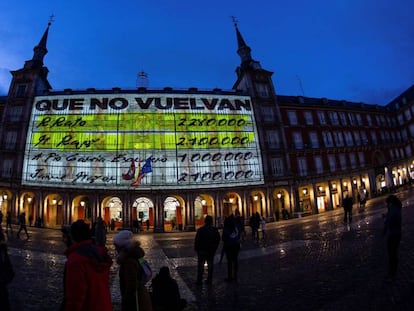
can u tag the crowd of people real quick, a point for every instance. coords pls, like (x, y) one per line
(87, 268)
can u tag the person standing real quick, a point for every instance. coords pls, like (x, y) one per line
(165, 292)
(100, 232)
(86, 272)
(347, 205)
(22, 222)
(6, 273)
(206, 242)
(1, 217)
(134, 294)
(8, 223)
(392, 230)
(231, 240)
(263, 227)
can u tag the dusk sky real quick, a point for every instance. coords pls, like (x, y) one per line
(356, 50)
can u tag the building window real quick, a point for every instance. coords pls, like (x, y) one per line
(361, 158)
(327, 139)
(348, 139)
(293, 119)
(273, 139)
(352, 160)
(407, 114)
(15, 114)
(321, 117)
(333, 115)
(11, 138)
(408, 150)
(339, 139)
(411, 129)
(357, 138)
(297, 140)
(369, 120)
(308, 117)
(302, 167)
(342, 116)
(351, 118)
(374, 137)
(342, 161)
(318, 164)
(358, 119)
(400, 118)
(268, 114)
(262, 90)
(20, 90)
(277, 167)
(313, 137)
(6, 169)
(332, 162)
(364, 138)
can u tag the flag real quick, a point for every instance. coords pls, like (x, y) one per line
(145, 169)
(131, 171)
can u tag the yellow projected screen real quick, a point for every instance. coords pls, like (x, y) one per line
(142, 140)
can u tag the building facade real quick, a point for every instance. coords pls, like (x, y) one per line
(169, 157)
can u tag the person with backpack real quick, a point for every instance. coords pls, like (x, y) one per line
(231, 240)
(86, 274)
(134, 294)
(206, 242)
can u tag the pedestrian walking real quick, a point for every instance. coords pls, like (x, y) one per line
(22, 222)
(348, 202)
(8, 223)
(86, 273)
(165, 292)
(231, 240)
(134, 294)
(206, 241)
(6, 273)
(392, 230)
(1, 217)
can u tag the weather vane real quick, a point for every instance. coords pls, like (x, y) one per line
(234, 19)
(51, 19)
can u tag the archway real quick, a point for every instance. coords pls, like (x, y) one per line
(173, 214)
(53, 211)
(203, 206)
(112, 213)
(144, 212)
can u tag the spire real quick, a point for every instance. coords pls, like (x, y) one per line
(244, 50)
(40, 50)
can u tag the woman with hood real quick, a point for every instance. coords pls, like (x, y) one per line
(86, 276)
(135, 295)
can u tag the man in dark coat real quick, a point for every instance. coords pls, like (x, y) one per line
(348, 203)
(205, 244)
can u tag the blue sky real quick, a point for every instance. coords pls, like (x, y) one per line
(357, 50)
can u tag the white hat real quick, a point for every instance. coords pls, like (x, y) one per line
(123, 238)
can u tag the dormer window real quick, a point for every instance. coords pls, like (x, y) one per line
(20, 90)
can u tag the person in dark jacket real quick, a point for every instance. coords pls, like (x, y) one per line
(231, 240)
(347, 204)
(86, 274)
(206, 241)
(392, 229)
(135, 295)
(165, 292)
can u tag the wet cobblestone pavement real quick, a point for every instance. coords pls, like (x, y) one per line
(310, 263)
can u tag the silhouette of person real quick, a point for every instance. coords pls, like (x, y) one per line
(135, 295)
(165, 292)
(231, 240)
(392, 229)
(22, 222)
(347, 204)
(86, 273)
(206, 242)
